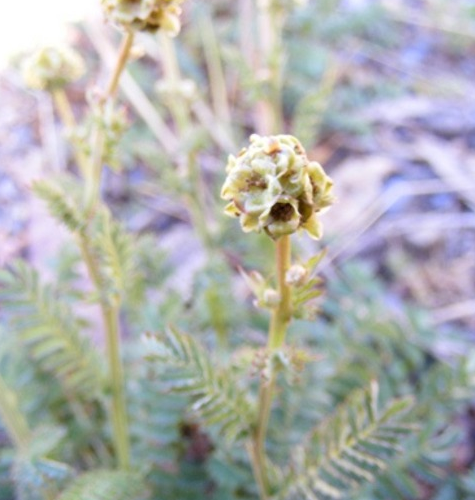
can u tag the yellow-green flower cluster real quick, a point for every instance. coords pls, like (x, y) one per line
(145, 15)
(50, 68)
(273, 186)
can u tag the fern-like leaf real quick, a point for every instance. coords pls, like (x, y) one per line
(60, 205)
(11, 416)
(349, 449)
(216, 397)
(48, 327)
(40, 478)
(105, 485)
(116, 252)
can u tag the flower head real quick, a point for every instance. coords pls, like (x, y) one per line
(145, 15)
(273, 186)
(50, 68)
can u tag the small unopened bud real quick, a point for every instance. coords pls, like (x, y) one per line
(137, 52)
(186, 89)
(270, 298)
(296, 275)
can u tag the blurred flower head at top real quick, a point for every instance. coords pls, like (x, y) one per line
(145, 15)
(50, 68)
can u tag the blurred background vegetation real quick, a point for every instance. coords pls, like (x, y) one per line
(382, 93)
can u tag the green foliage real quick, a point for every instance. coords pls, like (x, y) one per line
(157, 427)
(50, 331)
(40, 478)
(115, 250)
(348, 449)
(105, 485)
(6, 484)
(180, 406)
(396, 346)
(216, 396)
(37, 473)
(61, 206)
(11, 415)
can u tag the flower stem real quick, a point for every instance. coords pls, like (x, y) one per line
(110, 317)
(110, 309)
(124, 53)
(258, 468)
(94, 171)
(282, 315)
(119, 406)
(280, 320)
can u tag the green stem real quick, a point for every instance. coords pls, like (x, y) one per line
(119, 406)
(94, 171)
(12, 418)
(280, 320)
(110, 310)
(258, 468)
(124, 53)
(110, 317)
(282, 314)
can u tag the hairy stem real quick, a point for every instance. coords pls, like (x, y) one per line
(110, 317)
(280, 320)
(11, 417)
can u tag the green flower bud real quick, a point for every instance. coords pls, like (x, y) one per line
(51, 68)
(296, 275)
(270, 298)
(145, 15)
(273, 186)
